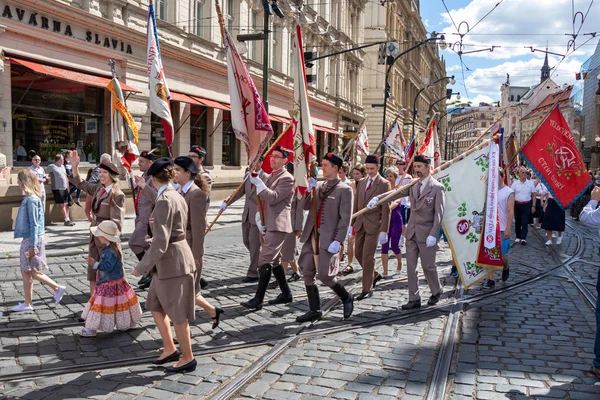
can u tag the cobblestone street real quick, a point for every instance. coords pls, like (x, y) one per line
(531, 337)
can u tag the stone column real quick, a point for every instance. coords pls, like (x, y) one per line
(6, 140)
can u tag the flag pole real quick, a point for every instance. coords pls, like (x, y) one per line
(231, 196)
(385, 137)
(386, 196)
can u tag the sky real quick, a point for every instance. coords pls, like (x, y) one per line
(513, 25)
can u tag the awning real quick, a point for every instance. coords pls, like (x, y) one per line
(328, 130)
(183, 98)
(212, 103)
(279, 119)
(70, 75)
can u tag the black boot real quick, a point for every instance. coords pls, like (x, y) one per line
(264, 275)
(314, 303)
(347, 299)
(286, 294)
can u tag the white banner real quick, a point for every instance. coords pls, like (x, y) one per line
(466, 189)
(491, 212)
(393, 140)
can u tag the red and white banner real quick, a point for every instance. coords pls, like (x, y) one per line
(249, 118)
(362, 141)
(159, 94)
(304, 136)
(553, 155)
(431, 145)
(122, 122)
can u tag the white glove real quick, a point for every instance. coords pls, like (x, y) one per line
(312, 183)
(334, 247)
(259, 225)
(223, 206)
(431, 241)
(260, 185)
(373, 203)
(350, 231)
(383, 238)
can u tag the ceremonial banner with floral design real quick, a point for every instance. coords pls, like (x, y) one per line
(552, 153)
(465, 181)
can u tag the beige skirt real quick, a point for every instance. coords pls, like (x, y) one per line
(173, 297)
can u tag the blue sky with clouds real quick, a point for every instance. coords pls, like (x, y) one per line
(513, 25)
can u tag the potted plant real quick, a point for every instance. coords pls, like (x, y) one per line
(90, 150)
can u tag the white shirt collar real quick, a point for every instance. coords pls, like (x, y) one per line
(184, 189)
(108, 188)
(162, 189)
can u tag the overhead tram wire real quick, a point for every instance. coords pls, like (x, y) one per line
(450, 15)
(485, 16)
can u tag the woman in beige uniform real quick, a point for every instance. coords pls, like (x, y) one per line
(171, 293)
(108, 203)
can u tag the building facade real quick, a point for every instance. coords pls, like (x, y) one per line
(465, 127)
(55, 56)
(400, 21)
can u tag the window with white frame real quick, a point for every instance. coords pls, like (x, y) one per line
(199, 21)
(162, 9)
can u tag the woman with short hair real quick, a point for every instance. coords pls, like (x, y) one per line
(358, 172)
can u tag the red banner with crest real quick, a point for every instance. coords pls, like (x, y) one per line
(553, 154)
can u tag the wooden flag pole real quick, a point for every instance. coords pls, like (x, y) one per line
(230, 198)
(314, 206)
(388, 195)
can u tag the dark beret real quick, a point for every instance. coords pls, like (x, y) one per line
(110, 167)
(147, 155)
(422, 158)
(198, 150)
(186, 163)
(372, 159)
(158, 165)
(334, 159)
(283, 151)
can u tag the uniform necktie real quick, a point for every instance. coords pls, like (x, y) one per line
(102, 192)
(419, 185)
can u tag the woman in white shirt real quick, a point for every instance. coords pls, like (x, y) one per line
(554, 218)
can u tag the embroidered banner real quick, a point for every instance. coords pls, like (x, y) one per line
(552, 153)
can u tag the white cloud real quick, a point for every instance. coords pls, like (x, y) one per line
(546, 23)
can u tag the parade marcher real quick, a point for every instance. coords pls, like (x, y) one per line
(395, 229)
(358, 172)
(250, 233)
(108, 204)
(38, 170)
(524, 193)
(590, 216)
(554, 218)
(143, 204)
(427, 199)
(289, 250)
(275, 193)
(29, 225)
(196, 200)
(60, 185)
(72, 187)
(405, 201)
(537, 215)
(113, 304)
(343, 175)
(372, 227)
(198, 154)
(334, 212)
(171, 294)
(506, 211)
(94, 178)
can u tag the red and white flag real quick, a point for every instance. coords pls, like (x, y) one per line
(159, 91)
(394, 140)
(286, 142)
(431, 145)
(304, 136)
(362, 141)
(249, 118)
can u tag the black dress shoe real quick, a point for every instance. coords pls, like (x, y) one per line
(189, 367)
(364, 295)
(281, 299)
(173, 357)
(434, 299)
(379, 277)
(252, 304)
(146, 283)
(412, 305)
(273, 285)
(505, 274)
(215, 319)
(203, 283)
(248, 279)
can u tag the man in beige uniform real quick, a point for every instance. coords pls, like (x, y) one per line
(276, 196)
(140, 240)
(198, 154)
(334, 212)
(371, 227)
(250, 233)
(427, 201)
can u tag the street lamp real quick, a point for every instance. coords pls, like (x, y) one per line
(582, 141)
(452, 82)
(441, 40)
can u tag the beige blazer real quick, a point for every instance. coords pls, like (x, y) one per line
(140, 240)
(277, 200)
(297, 213)
(251, 204)
(197, 202)
(426, 210)
(169, 254)
(376, 220)
(335, 217)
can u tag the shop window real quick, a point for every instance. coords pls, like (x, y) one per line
(320, 135)
(52, 115)
(230, 143)
(198, 127)
(157, 135)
